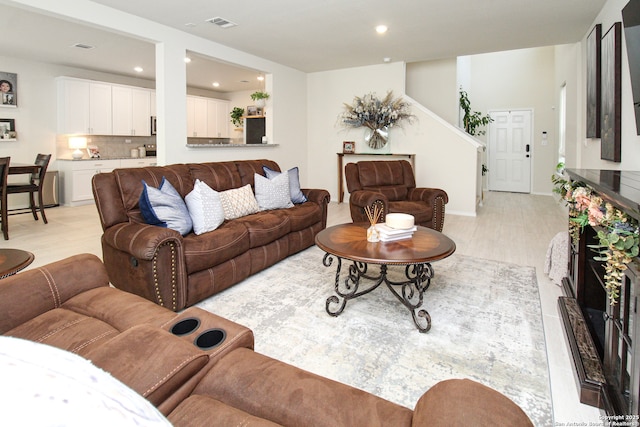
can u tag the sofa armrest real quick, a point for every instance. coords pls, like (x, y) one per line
(31, 293)
(140, 240)
(427, 195)
(463, 402)
(150, 360)
(321, 197)
(436, 199)
(360, 199)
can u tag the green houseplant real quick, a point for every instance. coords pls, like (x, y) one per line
(237, 116)
(260, 98)
(472, 120)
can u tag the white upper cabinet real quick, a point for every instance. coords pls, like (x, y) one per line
(131, 111)
(84, 107)
(207, 117)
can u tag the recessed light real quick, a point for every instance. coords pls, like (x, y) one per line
(261, 78)
(387, 59)
(381, 29)
(83, 46)
(189, 24)
(216, 84)
(187, 59)
(138, 69)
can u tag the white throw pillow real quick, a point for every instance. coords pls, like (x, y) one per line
(272, 193)
(238, 202)
(205, 208)
(297, 196)
(46, 386)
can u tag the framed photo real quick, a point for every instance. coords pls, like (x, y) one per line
(594, 53)
(8, 89)
(93, 151)
(610, 122)
(348, 147)
(7, 127)
(252, 110)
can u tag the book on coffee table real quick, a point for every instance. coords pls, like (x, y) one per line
(388, 234)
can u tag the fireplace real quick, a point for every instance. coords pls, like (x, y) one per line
(601, 336)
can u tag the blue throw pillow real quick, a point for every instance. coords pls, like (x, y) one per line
(164, 207)
(297, 196)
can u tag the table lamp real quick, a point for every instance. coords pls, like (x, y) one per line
(77, 142)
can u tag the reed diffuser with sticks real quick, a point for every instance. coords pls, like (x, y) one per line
(373, 215)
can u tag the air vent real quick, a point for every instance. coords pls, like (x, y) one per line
(83, 46)
(221, 22)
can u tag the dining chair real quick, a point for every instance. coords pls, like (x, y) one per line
(34, 186)
(4, 173)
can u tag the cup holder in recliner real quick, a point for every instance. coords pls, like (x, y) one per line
(185, 326)
(210, 338)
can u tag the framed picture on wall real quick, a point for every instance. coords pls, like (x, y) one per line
(610, 122)
(8, 89)
(348, 147)
(593, 81)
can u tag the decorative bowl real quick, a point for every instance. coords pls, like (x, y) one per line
(400, 221)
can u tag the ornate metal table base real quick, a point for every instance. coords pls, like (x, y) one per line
(410, 292)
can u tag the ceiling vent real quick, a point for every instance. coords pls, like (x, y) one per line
(83, 46)
(221, 22)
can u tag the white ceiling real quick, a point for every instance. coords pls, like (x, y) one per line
(307, 35)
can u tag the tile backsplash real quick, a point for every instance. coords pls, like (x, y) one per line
(115, 147)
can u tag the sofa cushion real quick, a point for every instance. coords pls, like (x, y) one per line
(164, 207)
(393, 192)
(238, 202)
(272, 193)
(205, 208)
(220, 176)
(222, 244)
(296, 194)
(200, 410)
(265, 227)
(380, 173)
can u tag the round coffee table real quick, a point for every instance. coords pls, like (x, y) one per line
(349, 242)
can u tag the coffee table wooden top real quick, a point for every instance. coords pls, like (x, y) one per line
(350, 241)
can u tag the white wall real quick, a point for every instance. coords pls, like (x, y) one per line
(434, 85)
(585, 152)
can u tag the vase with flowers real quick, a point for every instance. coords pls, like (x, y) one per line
(377, 115)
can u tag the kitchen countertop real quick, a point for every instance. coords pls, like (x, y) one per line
(105, 158)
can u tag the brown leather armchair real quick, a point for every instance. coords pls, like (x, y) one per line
(392, 186)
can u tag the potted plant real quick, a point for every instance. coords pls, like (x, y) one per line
(260, 98)
(472, 120)
(237, 116)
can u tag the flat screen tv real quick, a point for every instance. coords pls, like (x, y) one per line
(631, 23)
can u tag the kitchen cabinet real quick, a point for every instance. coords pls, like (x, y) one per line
(84, 107)
(131, 108)
(207, 117)
(76, 176)
(196, 117)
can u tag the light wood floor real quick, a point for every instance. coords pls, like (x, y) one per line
(509, 227)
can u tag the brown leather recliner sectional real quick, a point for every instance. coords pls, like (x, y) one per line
(391, 186)
(199, 369)
(176, 272)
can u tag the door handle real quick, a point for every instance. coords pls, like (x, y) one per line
(527, 148)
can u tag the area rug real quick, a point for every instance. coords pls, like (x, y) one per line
(486, 326)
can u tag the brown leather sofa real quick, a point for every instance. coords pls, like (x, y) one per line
(199, 369)
(175, 271)
(392, 186)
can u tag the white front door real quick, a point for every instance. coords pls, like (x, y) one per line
(510, 143)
